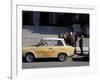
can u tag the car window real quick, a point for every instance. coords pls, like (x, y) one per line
(42, 43)
(59, 43)
(50, 42)
(54, 43)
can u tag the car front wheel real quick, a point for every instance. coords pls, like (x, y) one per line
(62, 57)
(29, 58)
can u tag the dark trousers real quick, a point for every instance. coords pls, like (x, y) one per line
(81, 48)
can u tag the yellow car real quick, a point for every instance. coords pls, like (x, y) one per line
(48, 48)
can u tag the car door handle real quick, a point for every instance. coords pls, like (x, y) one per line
(50, 48)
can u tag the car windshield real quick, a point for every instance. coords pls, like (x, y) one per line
(50, 43)
(42, 43)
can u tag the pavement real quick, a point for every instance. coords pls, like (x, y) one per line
(50, 63)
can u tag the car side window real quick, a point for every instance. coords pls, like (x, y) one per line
(49, 43)
(53, 43)
(59, 43)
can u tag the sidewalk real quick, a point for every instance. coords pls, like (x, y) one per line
(81, 57)
(85, 49)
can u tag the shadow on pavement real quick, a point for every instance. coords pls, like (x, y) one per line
(47, 60)
(78, 57)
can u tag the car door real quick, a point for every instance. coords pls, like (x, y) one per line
(51, 48)
(42, 49)
(56, 48)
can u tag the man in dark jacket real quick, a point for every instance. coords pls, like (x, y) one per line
(81, 43)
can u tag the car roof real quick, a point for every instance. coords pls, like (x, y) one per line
(53, 39)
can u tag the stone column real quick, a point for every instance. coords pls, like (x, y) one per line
(36, 18)
(54, 18)
(50, 18)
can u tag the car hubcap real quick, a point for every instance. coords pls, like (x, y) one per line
(29, 58)
(61, 57)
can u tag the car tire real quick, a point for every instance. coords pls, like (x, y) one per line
(29, 58)
(62, 57)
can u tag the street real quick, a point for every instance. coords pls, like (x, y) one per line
(49, 63)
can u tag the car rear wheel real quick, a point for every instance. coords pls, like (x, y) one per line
(62, 57)
(29, 58)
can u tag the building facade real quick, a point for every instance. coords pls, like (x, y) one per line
(74, 22)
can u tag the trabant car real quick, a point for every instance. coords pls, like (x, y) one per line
(48, 48)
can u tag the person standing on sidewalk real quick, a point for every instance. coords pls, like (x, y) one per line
(81, 43)
(75, 36)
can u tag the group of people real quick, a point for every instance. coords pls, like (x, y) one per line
(71, 38)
